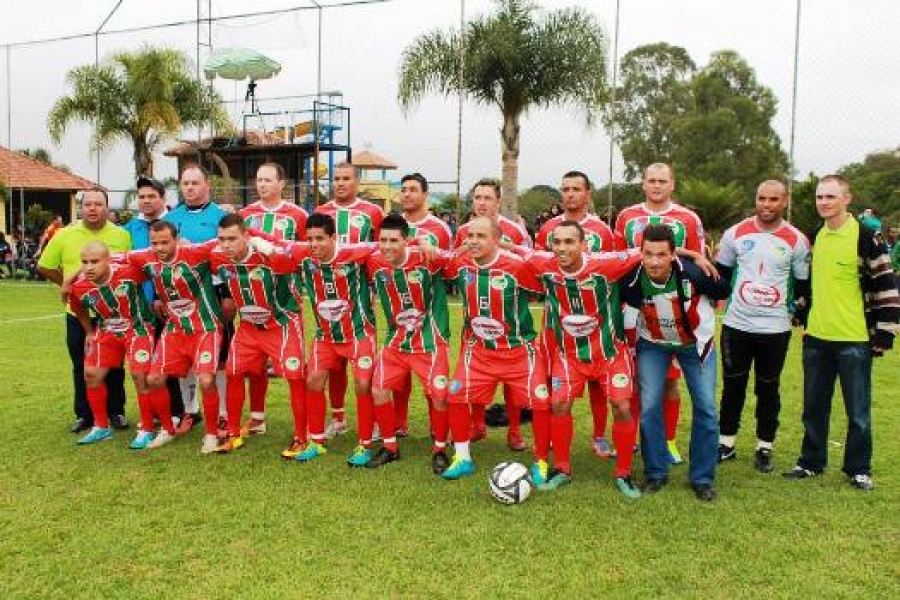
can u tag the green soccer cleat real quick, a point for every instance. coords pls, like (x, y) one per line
(539, 472)
(556, 480)
(96, 434)
(313, 451)
(141, 440)
(360, 456)
(459, 468)
(627, 487)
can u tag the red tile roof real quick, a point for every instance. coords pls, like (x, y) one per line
(20, 171)
(369, 160)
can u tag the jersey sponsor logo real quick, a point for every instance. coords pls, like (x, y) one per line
(440, 382)
(257, 315)
(587, 284)
(580, 325)
(364, 362)
(455, 386)
(183, 308)
(141, 356)
(541, 392)
(499, 282)
(292, 363)
(333, 310)
(620, 380)
(358, 221)
(411, 319)
(747, 245)
(205, 358)
(759, 294)
(116, 325)
(414, 277)
(487, 328)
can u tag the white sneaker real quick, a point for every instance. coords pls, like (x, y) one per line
(162, 438)
(210, 443)
(335, 428)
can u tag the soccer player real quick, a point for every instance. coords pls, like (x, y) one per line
(124, 329)
(411, 293)
(660, 207)
(497, 341)
(767, 261)
(576, 191)
(284, 221)
(192, 335)
(675, 319)
(582, 320)
(355, 221)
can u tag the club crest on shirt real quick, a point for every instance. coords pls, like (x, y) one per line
(415, 277)
(499, 282)
(358, 221)
(122, 289)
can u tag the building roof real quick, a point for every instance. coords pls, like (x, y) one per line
(20, 171)
(369, 160)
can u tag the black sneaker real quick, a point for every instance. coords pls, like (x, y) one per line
(704, 491)
(862, 481)
(118, 422)
(651, 486)
(799, 472)
(726, 453)
(80, 425)
(439, 462)
(383, 457)
(763, 460)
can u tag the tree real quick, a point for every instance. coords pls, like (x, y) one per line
(718, 206)
(515, 59)
(42, 155)
(145, 97)
(536, 200)
(875, 183)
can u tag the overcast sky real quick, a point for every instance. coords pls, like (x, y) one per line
(848, 94)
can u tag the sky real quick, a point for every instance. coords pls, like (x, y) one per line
(848, 93)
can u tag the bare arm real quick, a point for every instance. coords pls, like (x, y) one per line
(54, 275)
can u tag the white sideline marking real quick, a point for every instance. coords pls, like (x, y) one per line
(27, 319)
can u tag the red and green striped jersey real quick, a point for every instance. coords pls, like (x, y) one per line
(661, 320)
(285, 221)
(355, 222)
(632, 221)
(597, 234)
(434, 230)
(413, 300)
(118, 303)
(510, 232)
(495, 299)
(184, 285)
(582, 310)
(339, 292)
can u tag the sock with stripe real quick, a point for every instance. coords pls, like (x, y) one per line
(384, 416)
(315, 415)
(96, 398)
(234, 398)
(162, 406)
(624, 435)
(561, 433)
(337, 390)
(259, 386)
(365, 418)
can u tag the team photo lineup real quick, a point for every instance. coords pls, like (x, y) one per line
(203, 306)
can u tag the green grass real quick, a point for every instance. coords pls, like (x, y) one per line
(106, 522)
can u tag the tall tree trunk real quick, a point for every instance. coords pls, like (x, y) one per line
(143, 157)
(509, 189)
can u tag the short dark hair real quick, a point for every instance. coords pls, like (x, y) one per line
(160, 225)
(659, 233)
(573, 174)
(231, 220)
(575, 224)
(488, 182)
(395, 222)
(321, 221)
(144, 181)
(416, 177)
(279, 170)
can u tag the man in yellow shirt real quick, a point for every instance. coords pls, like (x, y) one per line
(61, 259)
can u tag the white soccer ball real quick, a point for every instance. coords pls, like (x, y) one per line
(510, 483)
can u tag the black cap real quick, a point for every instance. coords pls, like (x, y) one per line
(150, 182)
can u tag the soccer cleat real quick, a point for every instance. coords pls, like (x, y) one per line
(704, 491)
(602, 449)
(360, 456)
(726, 453)
(515, 442)
(313, 450)
(253, 427)
(335, 428)
(230, 444)
(210, 444)
(188, 422)
(141, 440)
(383, 457)
(539, 472)
(762, 460)
(439, 462)
(862, 481)
(80, 425)
(459, 468)
(799, 472)
(119, 422)
(651, 486)
(162, 438)
(627, 487)
(96, 434)
(292, 451)
(674, 454)
(477, 433)
(556, 480)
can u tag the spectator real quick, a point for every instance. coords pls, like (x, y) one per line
(6, 257)
(51, 229)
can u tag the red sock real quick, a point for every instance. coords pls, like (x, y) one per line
(478, 410)
(384, 416)
(514, 415)
(315, 415)
(624, 435)
(460, 421)
(671, 411)
(540, 428)
(440, 427)
(337, 390)
(401, 405)
(561, 433)
(211, 410)
(162, 406)
(259, 385)
(431, 419)
(298, 407)
(145, 404)
(234, 402)
(97, 400)
(365, 419)
(599, 409)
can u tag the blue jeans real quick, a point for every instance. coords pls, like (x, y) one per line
(652, 364)
(823, 362)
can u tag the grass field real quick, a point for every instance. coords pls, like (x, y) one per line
(106, 522)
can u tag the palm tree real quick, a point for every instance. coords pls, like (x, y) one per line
(144, 97)
(516, 58)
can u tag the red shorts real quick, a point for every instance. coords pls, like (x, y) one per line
(251, 348)
(522, 369)
(105, 350)
(615, 375)
(328, 356)
(393, 367)
(177, 352)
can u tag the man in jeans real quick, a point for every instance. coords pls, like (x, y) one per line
(767, 261)
(852, 317)
(676, 319)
